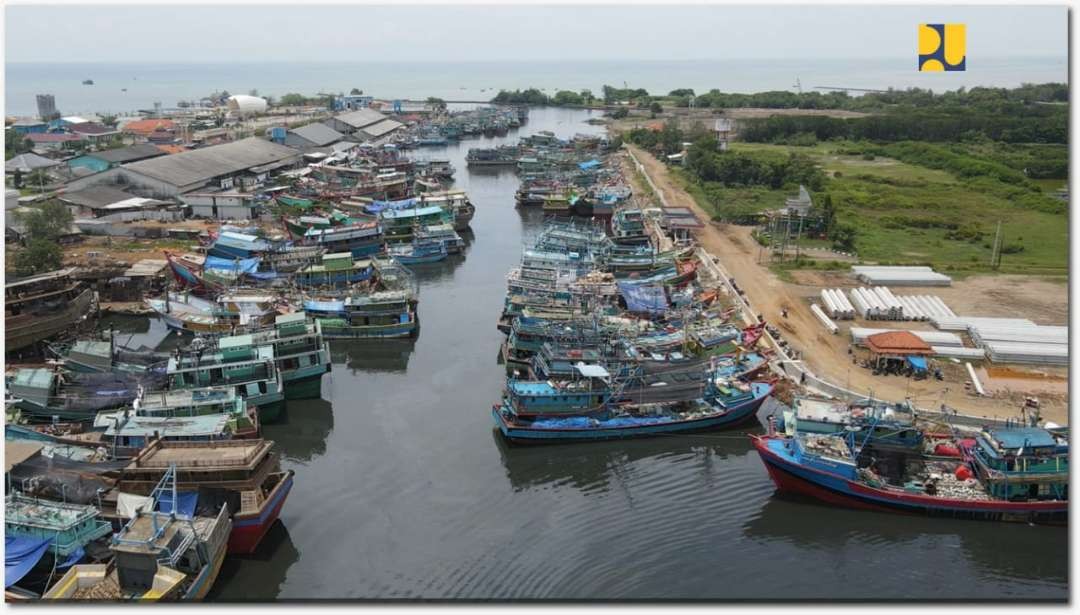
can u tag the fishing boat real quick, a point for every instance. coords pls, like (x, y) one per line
(45, 394)
(245, 475)
(359, 238)
(99, 356)
(582, 410)
(67, 527)
(298, 347)
(125, 433)
(628, 226)
(182, 311)
(1009, 474)
(418, 252)
(236, 362)
(456, 202)
(361, 315)
(39, 307)
(443, 233)
(886, 425)
(168, 554)
(399, 224)
(232, 245)
(243, 419)
(334, 271)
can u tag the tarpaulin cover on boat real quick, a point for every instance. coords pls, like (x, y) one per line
(590, 164)
(583, 422)
(644, 298)
(377, 206)
(324, 306)
(186, 502)
(919, 363)
(73, 558)
(128, 505)
(235, 265)
(21, 554)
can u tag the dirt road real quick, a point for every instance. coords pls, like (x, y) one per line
(824, 354)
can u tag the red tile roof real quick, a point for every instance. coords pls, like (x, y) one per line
(52, 137)
(897, 342)
(146, 127)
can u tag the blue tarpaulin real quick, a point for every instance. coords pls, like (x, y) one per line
(21, 554)
(72, 559)
(646, 298)
(919, 363)
(324, 306)
(583, 422)
(238, 265)
(590, 164)
(186, 503)
(377, 206)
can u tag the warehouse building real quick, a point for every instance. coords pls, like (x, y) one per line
(312, 136)
(103, 161)
(364, 124)
(241, 164)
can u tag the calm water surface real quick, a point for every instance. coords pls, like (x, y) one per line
(403, 489)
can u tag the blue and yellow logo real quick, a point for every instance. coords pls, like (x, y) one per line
(942, 47)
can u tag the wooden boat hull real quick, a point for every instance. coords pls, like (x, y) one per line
(205, 580)
(331, 332)
(249, 529)
(20, 336)
(529, 435)
(791, 476)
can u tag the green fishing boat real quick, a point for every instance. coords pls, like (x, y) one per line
(237, 362)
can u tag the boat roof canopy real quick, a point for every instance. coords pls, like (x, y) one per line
(591, 371)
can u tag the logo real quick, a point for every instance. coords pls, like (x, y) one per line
(942, 46)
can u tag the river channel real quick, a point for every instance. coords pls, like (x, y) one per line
(403, 490)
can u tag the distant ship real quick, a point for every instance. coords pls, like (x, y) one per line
(88, 82)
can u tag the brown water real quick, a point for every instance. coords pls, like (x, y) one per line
(403, 490)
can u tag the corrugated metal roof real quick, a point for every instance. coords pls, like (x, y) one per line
(202, 165)
(360, 118)
(381, 128)
(318, 133)
(28, 162)
(128, 154)
(94, 197)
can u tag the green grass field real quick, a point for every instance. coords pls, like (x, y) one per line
(909, 214)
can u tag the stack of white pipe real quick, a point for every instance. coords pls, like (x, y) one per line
(900, 276)
(862, 306)
(1039, 334)
(963, 323)
(959, 352)
(836, 304)
(1020, 352)
(830, 325)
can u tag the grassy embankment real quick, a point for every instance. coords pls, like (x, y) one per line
(910, 214)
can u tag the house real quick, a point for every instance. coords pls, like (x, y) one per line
(103, 161)
(95, 133)
(25, 126)
(151, 127)
(99, 201)
(54, 141)
(243, 164)
(353, 122)
(312, 135)
(28, 162)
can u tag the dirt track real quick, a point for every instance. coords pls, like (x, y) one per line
(824, 354)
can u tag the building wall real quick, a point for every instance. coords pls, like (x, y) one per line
(25, 130)
(223, 212)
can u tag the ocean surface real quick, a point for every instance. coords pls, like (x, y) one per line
(405, 491)
(168, 84)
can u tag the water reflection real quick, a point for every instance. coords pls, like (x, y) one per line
(387, 355)
(261, 574)
(593, 466)
(302, 431)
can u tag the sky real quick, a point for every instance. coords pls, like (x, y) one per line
(253, 33)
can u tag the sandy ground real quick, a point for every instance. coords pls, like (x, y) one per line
(827, 355)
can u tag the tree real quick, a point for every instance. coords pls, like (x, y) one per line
(39, 256)
(682, 92)
(47, 222)
(656, 107)
(253, 92)
(38, 178)
(566, 97)
(15, 144)
(293, 99)
(587, 96)
(620, 113)
(356, 92)
(843, 237)
(109, 120)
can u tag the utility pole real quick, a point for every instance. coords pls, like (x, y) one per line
(995, 256)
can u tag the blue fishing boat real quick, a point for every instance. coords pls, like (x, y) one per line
(418, 252)
(540, 412)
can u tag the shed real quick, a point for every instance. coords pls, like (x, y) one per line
(312, 135)
(28, 162)
(899, 346)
